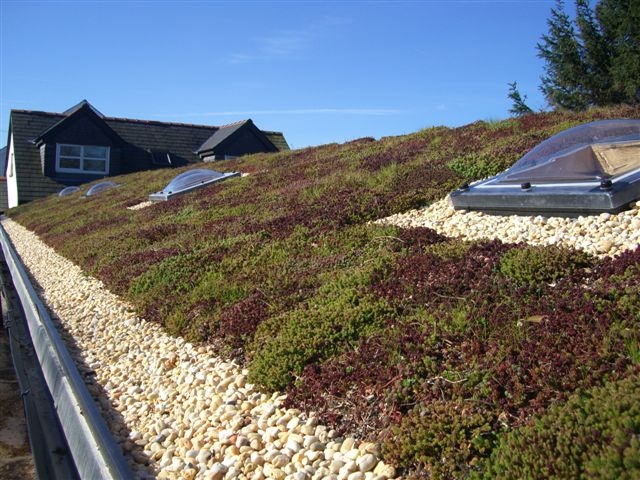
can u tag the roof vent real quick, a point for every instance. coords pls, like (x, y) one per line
(589, 169)
(68, 191)
(188, 181)
(100, 187)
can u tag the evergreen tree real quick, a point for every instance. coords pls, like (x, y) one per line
(595, 62)
(519, 106)
(620, 24)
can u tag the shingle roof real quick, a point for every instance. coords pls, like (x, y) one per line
(221, 134)
(178, 138)
(226, 131)
(24, 127)
(80, 105)
(182, 139)
(277, 138)
(3, 158)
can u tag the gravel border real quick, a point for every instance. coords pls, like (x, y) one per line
(177, 410)
(600, 235)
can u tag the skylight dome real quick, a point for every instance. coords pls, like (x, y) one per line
(588, 169)
(68, 191)
(100, 187)
(190, 180)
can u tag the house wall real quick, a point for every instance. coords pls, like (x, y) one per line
(242, 143)
(133, 159)
(83, 131)
(12, 180)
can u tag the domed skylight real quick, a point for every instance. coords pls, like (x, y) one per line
(190, 180)
(100, 187)
(68, 191)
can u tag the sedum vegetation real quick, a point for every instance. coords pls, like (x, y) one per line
(464, 359)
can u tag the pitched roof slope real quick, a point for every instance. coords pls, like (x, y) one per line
(181, 139)
(221, 134)
(226, 131)
(24, 127)
(277, 138)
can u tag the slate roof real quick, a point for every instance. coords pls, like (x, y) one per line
(277, 138)
(3, 163)
(181, 139)
(24, 127)
(221, 134)
(178, 138)
(225, 131)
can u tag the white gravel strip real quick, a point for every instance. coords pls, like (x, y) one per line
(600, 235)
(180, 411)
(140, 206)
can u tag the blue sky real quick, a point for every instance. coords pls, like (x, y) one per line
(320, 71)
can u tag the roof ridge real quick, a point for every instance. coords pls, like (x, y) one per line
(233, 124)
(159, 122)
(118, 119)
(36, 112)
(148, 122)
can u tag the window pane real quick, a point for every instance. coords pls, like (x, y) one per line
(70, 150)
(95, 152)
(66, 162)
(94, 165)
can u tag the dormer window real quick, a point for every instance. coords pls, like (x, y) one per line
(161, 158)
(82, 159)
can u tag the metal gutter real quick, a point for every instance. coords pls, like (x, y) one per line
(51, 455)
(94, 450)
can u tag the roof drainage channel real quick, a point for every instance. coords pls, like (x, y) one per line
(189, 181)
(95, 452)
(49, 449)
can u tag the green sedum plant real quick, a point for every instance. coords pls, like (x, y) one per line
(333, 321)
(534, 265)
(594, 435)
(474, 167)
(443, 438)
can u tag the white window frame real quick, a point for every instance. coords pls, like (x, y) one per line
(82, 159)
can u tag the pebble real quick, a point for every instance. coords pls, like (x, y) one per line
(179, 411)
(600, 235)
